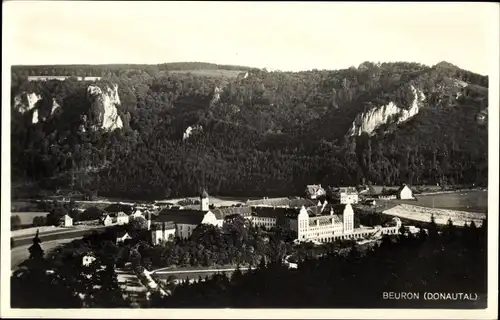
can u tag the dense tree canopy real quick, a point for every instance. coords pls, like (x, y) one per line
(268, 134)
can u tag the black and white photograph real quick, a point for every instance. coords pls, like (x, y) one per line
(250, 159)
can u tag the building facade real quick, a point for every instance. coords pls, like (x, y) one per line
(66, 221)
(348, 195)
(314, 191)
(404, 192)
(122, 218)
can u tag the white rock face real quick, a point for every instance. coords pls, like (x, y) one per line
(372, 119)
(190, 130)
(25, 102)
(109, 99)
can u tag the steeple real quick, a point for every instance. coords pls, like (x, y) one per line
(204, 202)
(204, 194)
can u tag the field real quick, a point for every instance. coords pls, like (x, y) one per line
(461, 207)
(472, 201)
(27, 217)
(441, 216)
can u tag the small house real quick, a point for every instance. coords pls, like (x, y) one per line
(314, 191)
(107, 220)
(66, 221)
(87, 260)
(348, 195)
(404, 192)
(122, 218)
(121, 236)
(136, 213)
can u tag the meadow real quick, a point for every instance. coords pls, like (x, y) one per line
(472, 201)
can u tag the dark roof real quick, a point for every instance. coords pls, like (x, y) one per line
(204, 194)
(327, 219)
(270, 212)
(221, 213)
(181, 216)
(311, 211)
(337, 208)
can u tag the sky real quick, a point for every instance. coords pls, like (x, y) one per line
(278, 35)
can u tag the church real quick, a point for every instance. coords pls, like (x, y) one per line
(170, 223)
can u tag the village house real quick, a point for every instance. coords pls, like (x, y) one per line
(162, 232)
(66, 221)
(107, 220)
(314, 191)
(122, 218)
(87, 260)
(121, 236)
(404, 192)
(347, 195)
(136, 213)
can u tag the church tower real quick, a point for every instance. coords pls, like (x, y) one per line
(204, 201)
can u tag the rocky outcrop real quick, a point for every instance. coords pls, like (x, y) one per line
(191, 130)
(391, 113)
(25, 102)
(104, 104)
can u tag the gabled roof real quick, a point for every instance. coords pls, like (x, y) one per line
(204, 194)
(402, 187)
(327, 219)
(194, 217)
(269, 212)
(222, 213)
(313, 211)
(282, 202)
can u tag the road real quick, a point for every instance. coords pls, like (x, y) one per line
(198, 271)
(55, 235)
(21, 253)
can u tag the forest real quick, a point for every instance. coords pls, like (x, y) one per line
(268, 134)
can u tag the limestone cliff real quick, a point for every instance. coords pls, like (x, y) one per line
(103, 106)
(370, 120)
(25, 102)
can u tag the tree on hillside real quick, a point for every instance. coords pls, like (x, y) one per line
(138, 223)
(55, 215)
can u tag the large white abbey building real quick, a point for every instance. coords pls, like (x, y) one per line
(322, 222)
